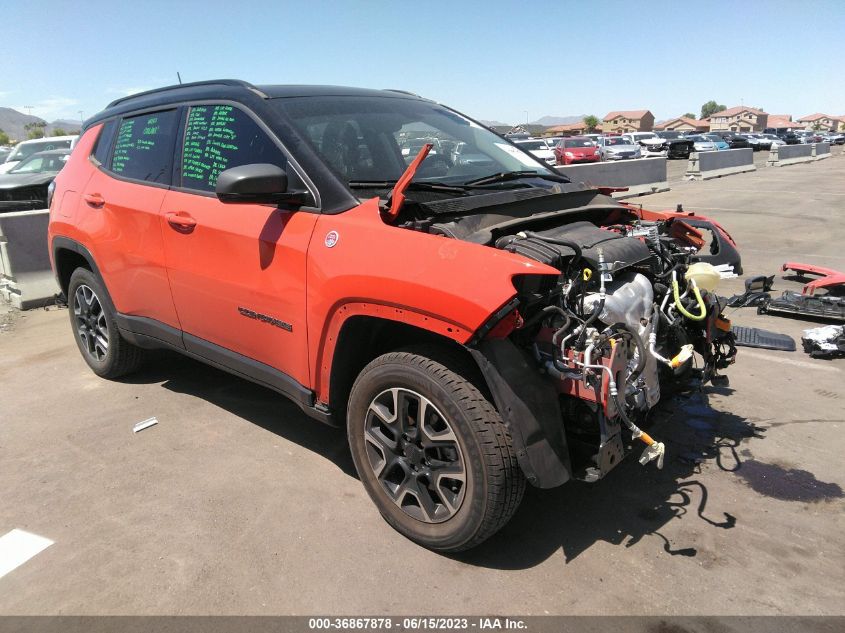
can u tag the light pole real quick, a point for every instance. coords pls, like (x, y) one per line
(28, 110)
(526, 116)
(81, 121)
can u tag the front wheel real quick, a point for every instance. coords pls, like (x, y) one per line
(432, 452)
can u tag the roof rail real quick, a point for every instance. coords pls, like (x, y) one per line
(403, 92)
(210, 82)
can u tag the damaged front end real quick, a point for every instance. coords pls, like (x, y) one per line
(576, 361)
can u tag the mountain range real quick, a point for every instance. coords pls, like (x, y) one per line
(544, 121)
(14, 124)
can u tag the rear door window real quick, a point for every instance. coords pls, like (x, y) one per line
(218, 137)
(143, 149)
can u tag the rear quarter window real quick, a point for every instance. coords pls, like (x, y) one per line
(104, 142)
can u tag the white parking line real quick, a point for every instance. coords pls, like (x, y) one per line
(787, 361)
(17, 547)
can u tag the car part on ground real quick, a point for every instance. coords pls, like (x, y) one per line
(825, 342)
(828, 304)
(763, 339)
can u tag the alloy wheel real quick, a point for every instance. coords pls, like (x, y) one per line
(415, 455)
(91, 325)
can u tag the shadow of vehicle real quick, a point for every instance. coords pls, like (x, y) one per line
(256, 404)
(631, 503)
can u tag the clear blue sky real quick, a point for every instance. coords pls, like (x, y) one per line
(492, 60)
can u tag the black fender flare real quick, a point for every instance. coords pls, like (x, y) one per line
(530, 409)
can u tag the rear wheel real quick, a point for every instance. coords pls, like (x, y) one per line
(432, 452)
(95, 328)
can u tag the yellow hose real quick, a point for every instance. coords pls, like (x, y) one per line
(682, 309)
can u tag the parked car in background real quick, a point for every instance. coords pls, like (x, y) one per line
(467, 155)
(25, 185)
(538, 148)
(835, 138)
(718, 141)
(24, 149)
(618, 148)
(774, 140)
(552, 141)
(650, 144)
(790, 138)
(593, 137)
(4, 152)
(757, 142)
(576, 149)
(734, 140)
(677, 144)
(702, 143)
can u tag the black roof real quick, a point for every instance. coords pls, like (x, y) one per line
(228, 88)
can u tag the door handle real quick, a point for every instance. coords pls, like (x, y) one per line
(94, 200)
(181, 221)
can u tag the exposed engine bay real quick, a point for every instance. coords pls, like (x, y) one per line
(628, 317)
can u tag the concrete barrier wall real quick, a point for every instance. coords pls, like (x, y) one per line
(641, 176)
(790, 155)
(26, 280)
(821, 150)
(706, 165)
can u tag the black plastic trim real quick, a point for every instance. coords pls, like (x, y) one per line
(529, 406)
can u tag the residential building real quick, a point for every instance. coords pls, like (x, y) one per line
(684, 124)
(822, 122)
(782, 122)
(740, 119)
(571, 129)
(628, 121)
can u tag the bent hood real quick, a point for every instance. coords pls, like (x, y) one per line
(14, 181)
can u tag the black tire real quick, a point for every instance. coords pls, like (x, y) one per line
(118, 357)
(493, 485)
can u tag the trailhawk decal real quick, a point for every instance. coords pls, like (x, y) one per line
(332, 238)
(265, 318)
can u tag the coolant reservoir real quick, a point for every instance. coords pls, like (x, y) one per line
(704, 275)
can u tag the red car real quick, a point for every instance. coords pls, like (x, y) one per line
(473, 324)
(576, 149)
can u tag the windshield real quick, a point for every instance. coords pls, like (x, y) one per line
(25, 150)
(616, 140)
(578, 142)
(40, 164)
(714, 137)
(361, 139)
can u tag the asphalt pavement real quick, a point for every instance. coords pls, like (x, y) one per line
(236, 503)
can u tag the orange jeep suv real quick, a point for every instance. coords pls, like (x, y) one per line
(474, 320)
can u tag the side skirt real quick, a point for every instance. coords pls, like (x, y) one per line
(151, 334)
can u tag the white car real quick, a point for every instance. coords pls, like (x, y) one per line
(538, 148)
(774, 138)
(25, 149)
(618, 148)
(651, 145)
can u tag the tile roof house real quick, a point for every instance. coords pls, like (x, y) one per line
(628, 121)
(739, 119)
(684, 124)
(820, 121)
(783, 122)
(571, 129)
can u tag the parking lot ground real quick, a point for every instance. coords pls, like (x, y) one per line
(236, 503)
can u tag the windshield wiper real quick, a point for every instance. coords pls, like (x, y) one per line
(419, 186)
(505, 176)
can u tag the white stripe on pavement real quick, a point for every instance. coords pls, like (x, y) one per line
(17, 547)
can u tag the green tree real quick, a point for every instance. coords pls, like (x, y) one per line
(591, 122)
(58, 132)
(817, 126)
(688, 115)
(710, 108)
(35, 130)
(4, 138)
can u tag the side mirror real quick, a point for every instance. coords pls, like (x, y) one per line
(259, 183)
